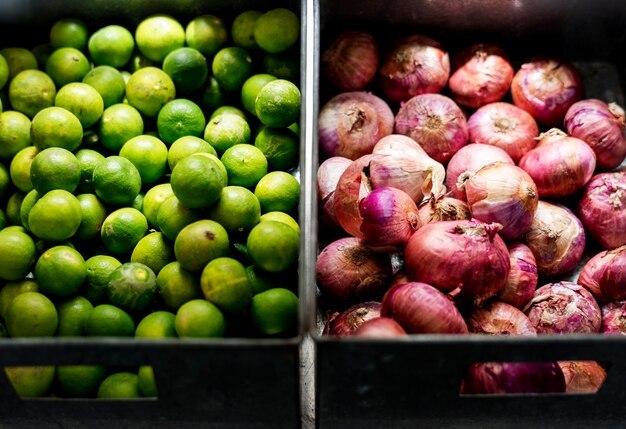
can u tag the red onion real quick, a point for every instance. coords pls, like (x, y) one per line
(601, 126)
(347, 272)
(521, 282)
(380, 327)
(592, 271)
(390, 217)
(506, 126)
(443, 208)
(502, 193)
(602, 209)
(556, 237)
(465, 257)
(351, 123)
(614, 318)
(499, 318)
(564, 308)
(471, 157)
(351, 61)
(585, 376)
(482, 74)
(546, 88)
(434, 121)
(560, 165)
(328, 175)
(349, 320)
(421, 309)
(415, 65)
(612, 282)
(513, 377)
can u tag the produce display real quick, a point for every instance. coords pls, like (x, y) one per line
(465, 192)
(149, 187)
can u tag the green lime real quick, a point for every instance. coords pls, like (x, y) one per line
(99, 268)
(60, 271)
(132, 286)
(69, 32)
(14, 204)
(4, 71)
(225, 131)
(121, 385)
(275, 312)
(185, 146)
(122, 229)
(237, 209)
(30, 381)
(188, 69)
(180, 118)
(32, 91)
(56, 127)
(111, 45)
(273, 246)
(119, 123)
(12, 289)
(109, 83)
(173, 216)
(148, 154)
(31, 314)
(18, 59)
(55, 168)
(200, 318)
(149, 89)
(277, 104)
(56, 216)
(283, 66)
(212, 95)
(281, 217)
(228, 110)
(79, 381)
(67, 65)
(262, 280)
(94, 212)
(224, 283)
(116, 180)
(158, 35)
(197, 180)
(206, 33)
(251, 88)
(177, 286)
(72, 315)
(18, 254)
(107, 320)
(27, 204)
(87, 160)
(278, 191)
(154, 251)
(14, 133)
(152, 201)
(83, 100)
(277, 30)
(242, 29)
(281, 147)
(231, 67)
(159, 324)
(19, 169)
(200, 242)
(147, 382)
(42, 53)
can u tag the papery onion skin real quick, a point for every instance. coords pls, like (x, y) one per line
(513, 377)
(349, 320)
(421, 309)
(466, 258)
(471, 158)
(556, 237)
(559, 165)
(564, 308)
(436, 122)
(614, 318)
(601, 126)
(546, 88)
(481, 74)
(521, 282)
(613, 280)
(505, 126)
(602, 209)
(351, 61)
(416, 64)
(502, 193)
(443, 208)
(584, 376)
(380, 327)
(499, 318)
(351, 123)
(592, 271)
(348, 272)
(328, 175)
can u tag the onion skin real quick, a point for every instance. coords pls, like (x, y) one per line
(434, 121)
(415, 65)
(613, 279)
(556, 237)
(521, 282)
(546, 88)
(482, 74)
(421, 309)
(601, 126)
(585, 376)
(328, 175)
(348, 321)
(350, 62)
(602, 209)
(559, 165)
(592, 271)
(466, 258)
(513, 377)
(502, 193)
(614, 318)
(443, 208)
(348, 272)
(351, 123)
(564, 308)
(380, 327)
(471, 158)
(506, 126)
(499, 318)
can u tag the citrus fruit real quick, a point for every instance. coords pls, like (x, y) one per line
(42, 53)
(242, 29)
(27, 204)
(278, 191)
(111, 45)
(206, 33)
(180, 118)
(185, 146)
(119, 386)
(275, 311)
(211, 95)
(83, 100)
(132, 286)
(106, 320)
(277, 30)
(149, 89)
(67, 65)
(31, 91)
(237, 209)
(251, 88)
(30, 381)
(173, 216)
(56, 127)
(31, 314)
(116, 180)
(55, 168)
(273, 246)
(159, 324)
(93, 213)
(147, 382)
(87, 160)
(158, 35)
(224, 283)
(277, 104)
(231, 67)
(14, 133)
(109, 82)
(228, 110)
(12, 289)
(148, 154)
(72, 315)
(119, 123)
(201, 319)
(69, 32)
(280, 146)
(177, 285)
(14, 203)
(138, 202)
(56, 216)
(152, 201)
(261, 280)
(99, 268)
(188, 69)
(281, 217)
(122, 229)
(60, 271)
(225, 131)
(200, 242)
(4, 71)
(197, 180)
(154, 251)
(19, 169)
(79, 381)
(18, 59)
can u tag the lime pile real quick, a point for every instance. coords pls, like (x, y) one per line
(149, 187)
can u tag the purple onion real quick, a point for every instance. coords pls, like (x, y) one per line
(513, 377)
(585, 376)
(328, 175)
(614, 318)
(592, 271)
(349, 320)
(499, 318)
(380, 327)
(613, 279)
(351, 61)
(521, 282)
